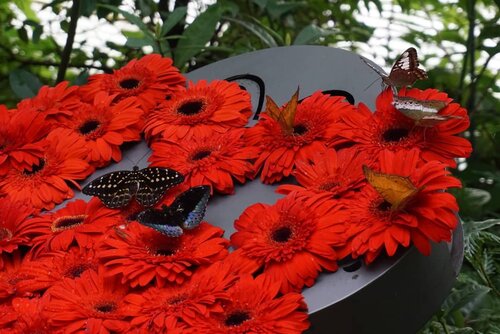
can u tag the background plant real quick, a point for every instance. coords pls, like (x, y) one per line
(458, 42)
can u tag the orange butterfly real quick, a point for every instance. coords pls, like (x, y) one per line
(396, 190)
(285, 117)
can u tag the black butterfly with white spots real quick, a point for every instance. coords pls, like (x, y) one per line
(185, 213)
(404, 72)
(148, 185)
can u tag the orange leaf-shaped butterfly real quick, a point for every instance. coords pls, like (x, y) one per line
(286, 116)
(396, 190)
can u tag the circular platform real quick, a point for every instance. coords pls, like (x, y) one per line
(393, 295)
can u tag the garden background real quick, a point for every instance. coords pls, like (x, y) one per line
(45, 42)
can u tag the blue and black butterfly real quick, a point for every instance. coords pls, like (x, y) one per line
(185, 213)
(147, 185)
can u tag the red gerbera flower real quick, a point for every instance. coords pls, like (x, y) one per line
(254, 307)
(428, 214)
(79, 221)
(149, 79)
(208, 160)
(292, 241)
(20, 133)
(30, 317)
(105, 126)
(11, 274)
(199, 110)
(8, 317)
(328, 175)
(141, 255)
(44, 185)
(90, 304)
(160, 309)
(53, 101)
(52, 267)
(389, 129)
(310, 130)
(14, 229)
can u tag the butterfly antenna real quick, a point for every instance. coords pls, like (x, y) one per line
(371, 84)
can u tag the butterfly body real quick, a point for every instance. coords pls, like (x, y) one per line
(395, 189)
(424, 112)
(148, 185)
(185, 213)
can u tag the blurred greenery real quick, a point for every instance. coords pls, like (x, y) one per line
(461, 42)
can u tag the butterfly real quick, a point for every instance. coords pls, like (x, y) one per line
(148, 185)
(285, 117)
(404, 72)
(186, 212)
(423, 112)
(396, 190)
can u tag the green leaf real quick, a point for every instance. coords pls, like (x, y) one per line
(137, 43)
(132, 18)
(261, 3)
(197, 35)
(25, 7)
(173, 19)
(81, 79)
(258, 31)
(277, 9)
(461, 297)
(37, 32)
(24, 84)
(310, 34)
(23, 34)
(87, 7)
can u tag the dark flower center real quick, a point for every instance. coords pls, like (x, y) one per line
(35, 168)
(237, 318)
(177, 299)
(5, 234)
(201, 155)
(282, 234)
(105, 307)
(168, 97)
(77, 270)
(165, 251)
(129, 83)
(299, 129)
(328, 185)
(67, 222)
(384, 206)
(89, 127)
(190, 108)
(395, 135)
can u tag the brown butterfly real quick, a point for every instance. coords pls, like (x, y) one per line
(404, 72)
(424, 112)
(396, 190)
(285, 117)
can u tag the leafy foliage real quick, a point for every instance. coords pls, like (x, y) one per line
(461, 41)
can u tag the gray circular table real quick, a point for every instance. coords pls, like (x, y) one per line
(393, 295)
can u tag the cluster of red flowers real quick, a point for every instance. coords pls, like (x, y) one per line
(367, 183)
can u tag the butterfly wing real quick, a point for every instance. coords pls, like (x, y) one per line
(405, 70)
(286, 116)
(153, 182)
(160, 221)
(423, 112)
(396, 190)
(189, 208)
(113, 189)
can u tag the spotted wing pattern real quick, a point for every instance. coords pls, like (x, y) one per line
(424, 112)
(405, 70)
(186, 212)
(116, 189)
(153, 182)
